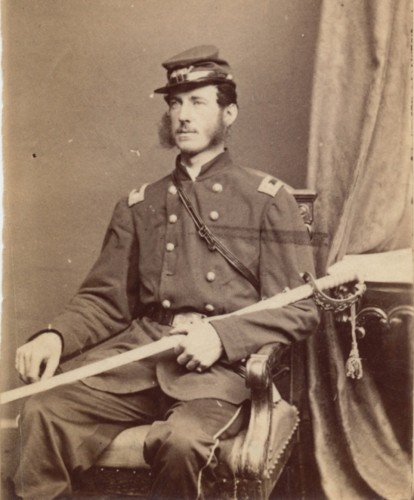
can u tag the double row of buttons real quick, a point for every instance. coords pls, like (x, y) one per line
(170, 247)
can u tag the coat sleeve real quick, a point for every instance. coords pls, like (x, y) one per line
(106, 302)
(285, 253)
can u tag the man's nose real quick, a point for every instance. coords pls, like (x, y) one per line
(185, 112)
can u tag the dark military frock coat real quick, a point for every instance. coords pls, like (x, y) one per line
(152, 254)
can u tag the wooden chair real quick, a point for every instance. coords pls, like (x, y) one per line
(249, 464)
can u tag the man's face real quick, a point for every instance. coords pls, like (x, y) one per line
(197, 122)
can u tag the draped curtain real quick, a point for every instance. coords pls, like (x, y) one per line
(360, 166)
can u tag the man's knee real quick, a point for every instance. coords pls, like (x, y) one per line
(175, 442)
(37, 405)
(47, 404)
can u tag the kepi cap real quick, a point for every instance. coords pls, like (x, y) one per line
(195, 67)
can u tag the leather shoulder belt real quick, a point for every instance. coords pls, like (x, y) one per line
(213, 243)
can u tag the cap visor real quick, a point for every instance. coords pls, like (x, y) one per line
(184, 86)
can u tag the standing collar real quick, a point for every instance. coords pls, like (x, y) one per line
(221, 162)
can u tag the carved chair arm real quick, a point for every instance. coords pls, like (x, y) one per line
(259, 371)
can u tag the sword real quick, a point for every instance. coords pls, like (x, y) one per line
(313, 287)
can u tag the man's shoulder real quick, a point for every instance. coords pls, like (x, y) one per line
(148, 190)
(262, 183)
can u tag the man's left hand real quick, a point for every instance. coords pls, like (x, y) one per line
(200, 348)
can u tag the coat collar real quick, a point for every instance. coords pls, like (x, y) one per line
(218, 164)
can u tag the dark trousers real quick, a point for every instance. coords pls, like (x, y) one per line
(64, 430)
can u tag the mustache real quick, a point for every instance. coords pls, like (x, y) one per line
(185, 130)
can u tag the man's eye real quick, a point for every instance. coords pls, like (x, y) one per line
(197, 103)
(173, 104)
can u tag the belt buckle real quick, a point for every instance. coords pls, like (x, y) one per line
(187, 318)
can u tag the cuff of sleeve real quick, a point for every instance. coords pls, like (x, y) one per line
(228, 332)
(47, 330)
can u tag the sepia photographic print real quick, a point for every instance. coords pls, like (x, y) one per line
(207, 250)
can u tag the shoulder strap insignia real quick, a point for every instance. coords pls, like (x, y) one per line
(270, 186)
(136, 196)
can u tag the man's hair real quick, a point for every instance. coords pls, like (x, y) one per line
(165, 134)
(226, 94)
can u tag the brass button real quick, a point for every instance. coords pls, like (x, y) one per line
(166, 304)
(210, 276)
(214, 215)
(209, 307)
(217, 188)
(172, 190)
(169, 247)
(173, 218)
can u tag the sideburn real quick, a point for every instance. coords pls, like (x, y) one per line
(165, 135)
(221, 133)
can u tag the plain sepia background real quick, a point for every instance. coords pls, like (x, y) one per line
(80, 124)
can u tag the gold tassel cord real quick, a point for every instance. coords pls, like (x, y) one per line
(354, 363)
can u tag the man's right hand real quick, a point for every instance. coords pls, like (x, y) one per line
(41, 353)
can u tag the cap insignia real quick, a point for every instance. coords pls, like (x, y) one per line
(181, 73)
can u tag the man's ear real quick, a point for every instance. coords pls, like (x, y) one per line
(230, 113)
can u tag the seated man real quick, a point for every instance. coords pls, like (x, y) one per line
(158, 274)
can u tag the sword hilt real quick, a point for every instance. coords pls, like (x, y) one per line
(328, 303)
